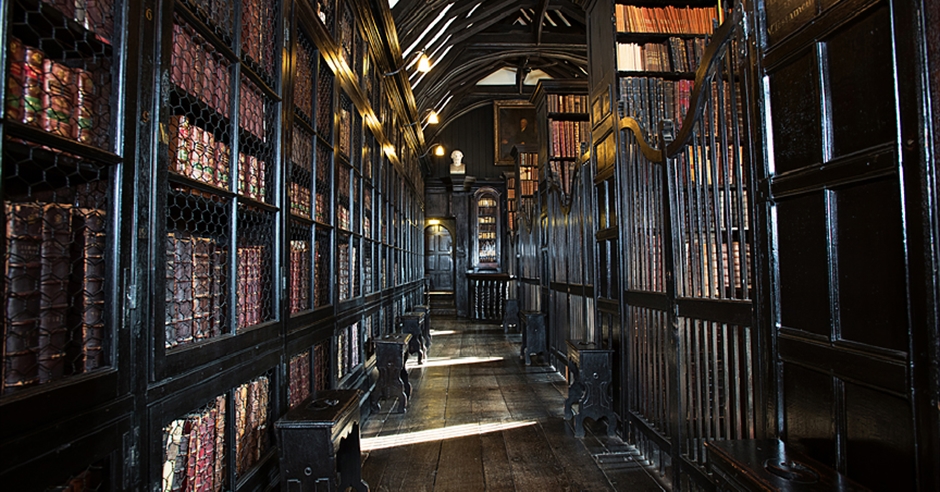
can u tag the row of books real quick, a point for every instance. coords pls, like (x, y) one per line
(251, 265)
(321, 270)
(348, 350)
(196, 154)
(566, 103)
(63, 100)
(195, 286)
(298, 379)
(94, 15)
(345, 132)
(342, 267)
(668, 19)
(674, 55)
(650, 100)
(322, 210)
(259, 34)
(303, 80)
(54, 292)
(566, 137)
(300, 200)
(201, 71)
(301, 152)
(251, 423)
(194, 451)
(198, 69)
(219, 14)
(321, 366)
(299, 276)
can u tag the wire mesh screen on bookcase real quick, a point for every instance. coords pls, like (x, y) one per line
(325, 10)
(194, 449)
(252, 429)
(322, 280)
(321, 363)
(57, 195)
(300, 268)
(325, 102)
(298, 378)
(220, 162)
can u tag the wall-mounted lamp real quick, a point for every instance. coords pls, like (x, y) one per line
(432, 119)
(437, 149)
(424, 64)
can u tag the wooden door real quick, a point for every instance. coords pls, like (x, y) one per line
(439, 258)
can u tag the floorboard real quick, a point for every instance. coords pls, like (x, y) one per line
(480, 419)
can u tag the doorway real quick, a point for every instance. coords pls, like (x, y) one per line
(439, 258)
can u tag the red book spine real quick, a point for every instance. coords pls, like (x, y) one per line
(58, 98)
(53, 286)
(221, 169)
(23, 268)
(184, 290)
(83, 120)
(219, 448)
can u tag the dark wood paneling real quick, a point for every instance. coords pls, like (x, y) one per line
(804, 264)
(794, 103)
(472, 134)
(879, 445)
(810, 422)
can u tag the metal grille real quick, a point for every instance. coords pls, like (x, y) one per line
(218, 16)
(717, 382)
(55, 282)
(194, 449)
(368, 154)
(304, 81)
(321, 363)
(367, 212)
(298, 379)
(367, 272)
(344, 141)
(57, 201)
(323, 184)
(325, 102)
(643, 214)
(356, 146)
(321, 268)
(259, 37)
(301, 175)
(354, 268)
(301, 255)
(94, 478)
(343, 219)
(347, 35)
(60, 70)
(342, 266)
(255, 287)
(252, 432)
(355, 204)
(256, 157)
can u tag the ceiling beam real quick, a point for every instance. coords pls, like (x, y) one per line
(540, 20)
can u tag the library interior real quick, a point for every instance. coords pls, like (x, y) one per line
(465, 245)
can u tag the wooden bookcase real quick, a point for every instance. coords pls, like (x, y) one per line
(231, 227)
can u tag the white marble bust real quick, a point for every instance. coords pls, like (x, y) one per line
(457, 167)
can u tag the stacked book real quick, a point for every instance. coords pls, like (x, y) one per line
(195, 300)
(566, 103)
(196, 154)
(298, 379)
(250, 306)
(251, 177)
(669, 19)
(566, 137)
(199, 70)
(674, 55)
(299, 276)
(300, 201)
(251, 423)
(194, 451)
(70, 102)
(54, 291)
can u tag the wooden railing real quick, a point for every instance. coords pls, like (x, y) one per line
(487, 292)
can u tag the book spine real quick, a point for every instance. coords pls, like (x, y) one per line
(23, 269)
(84, 116)
(202, 289)
(53, 286)
(184, 290)
(170, 307)
(219, 468)
(58, 98)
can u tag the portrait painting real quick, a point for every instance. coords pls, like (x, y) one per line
(513, 124)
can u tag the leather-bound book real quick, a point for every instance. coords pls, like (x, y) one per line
(21, 284)
(54, 290)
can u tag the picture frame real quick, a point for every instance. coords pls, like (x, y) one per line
(509, 129)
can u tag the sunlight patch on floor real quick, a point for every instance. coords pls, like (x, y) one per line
(450, 361)
(438, 333)
(430, 435)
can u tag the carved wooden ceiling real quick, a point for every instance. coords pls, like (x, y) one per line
(468, 40)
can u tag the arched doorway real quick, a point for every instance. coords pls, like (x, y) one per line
(439, 258)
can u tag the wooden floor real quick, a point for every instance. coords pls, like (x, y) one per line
(479, 419)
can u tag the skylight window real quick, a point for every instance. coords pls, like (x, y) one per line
(503, 76)
(392, 4)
